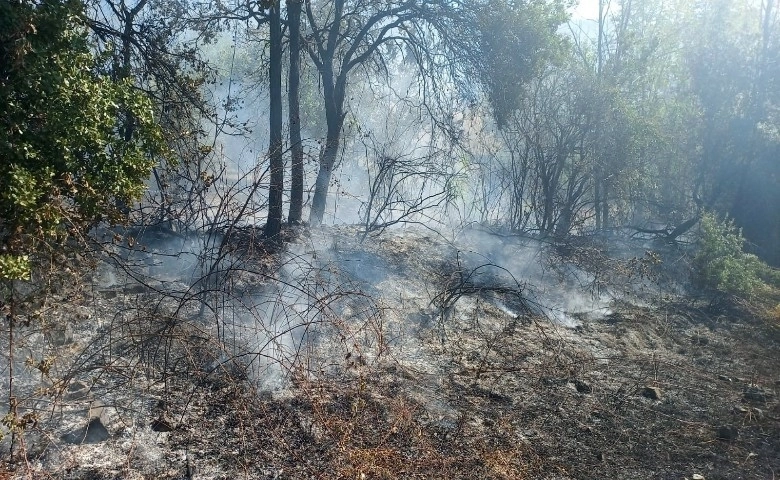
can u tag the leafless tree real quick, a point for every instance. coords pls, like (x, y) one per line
(403, 187)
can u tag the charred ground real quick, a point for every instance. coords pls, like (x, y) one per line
(428, 357)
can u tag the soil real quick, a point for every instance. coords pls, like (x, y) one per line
(430, 358)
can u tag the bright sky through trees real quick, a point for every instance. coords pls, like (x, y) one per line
(588, 9)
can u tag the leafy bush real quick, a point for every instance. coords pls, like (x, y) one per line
(67, 153)
(722, 264)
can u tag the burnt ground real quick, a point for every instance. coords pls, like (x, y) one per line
(460, 375)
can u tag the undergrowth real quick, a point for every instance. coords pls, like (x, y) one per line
(723, 267)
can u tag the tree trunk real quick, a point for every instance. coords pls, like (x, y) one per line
(327, 161)
(597, 199)
(293, 97)
(598, 174)
(604, 206)
(276, 188)
(334, 115)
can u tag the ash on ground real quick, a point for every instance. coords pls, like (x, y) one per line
(404, 356)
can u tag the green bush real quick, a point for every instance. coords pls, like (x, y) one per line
(67, 155)
(722, 264)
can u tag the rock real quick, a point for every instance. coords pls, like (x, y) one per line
(134, 289)
(109, 294)
(653, 393)
(582, 387)
(727, 433)
(697, 476)
(724, 378)
(97, 409)
(754, 393)
(83, 313)
(163, 424)
(94, 432)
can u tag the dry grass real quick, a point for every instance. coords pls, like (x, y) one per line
(501, 398)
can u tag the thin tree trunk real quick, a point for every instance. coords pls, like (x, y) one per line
(276, 188)
(598, 172)
(296, 148)
(597, 198)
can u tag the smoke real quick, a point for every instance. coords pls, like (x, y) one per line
(559, 293)
(240, 134)
(328, 293)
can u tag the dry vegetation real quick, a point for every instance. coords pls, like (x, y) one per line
(663, 385)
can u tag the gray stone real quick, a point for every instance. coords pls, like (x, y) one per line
(77, 390)
(754, 393)
(109, 294)
(699, 339)
(727, 433)
(60, 334)
(163, 424)
(653, 393)
(94, 432)
(582, 387)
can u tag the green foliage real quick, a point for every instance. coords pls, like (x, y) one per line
(65, 159)
(14, 267)
(515, 41)
(721, 262)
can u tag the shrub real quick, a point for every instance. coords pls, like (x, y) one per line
(68, 156)
(722, 264)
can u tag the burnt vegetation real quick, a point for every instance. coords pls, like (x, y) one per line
(542, 242)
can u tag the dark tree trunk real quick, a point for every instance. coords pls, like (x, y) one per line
(327, 162)
(334, 115)
(293, 97)
(597, 183)
(128, 122)
(275, 191)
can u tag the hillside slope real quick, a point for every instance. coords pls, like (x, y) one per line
(417, 356)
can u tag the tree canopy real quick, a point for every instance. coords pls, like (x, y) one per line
(652, 115)
(64, 163)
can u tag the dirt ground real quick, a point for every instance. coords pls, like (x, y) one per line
(461, 375)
